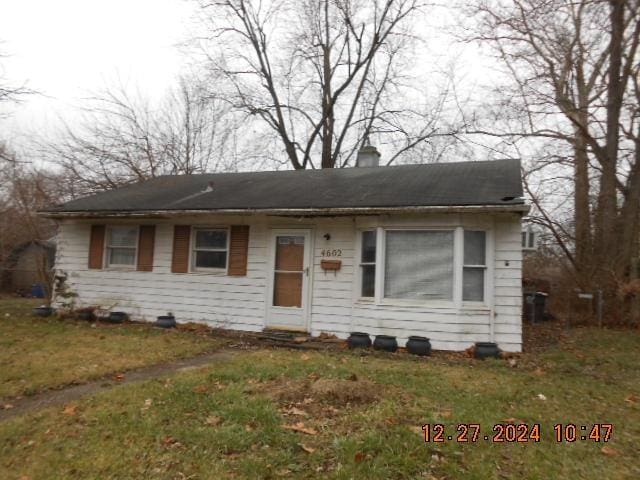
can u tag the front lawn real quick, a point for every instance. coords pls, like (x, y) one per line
(38, 353)
(290, 414)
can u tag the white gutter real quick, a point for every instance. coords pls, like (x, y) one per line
(517, 208)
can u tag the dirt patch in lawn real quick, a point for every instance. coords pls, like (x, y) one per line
(322, 392)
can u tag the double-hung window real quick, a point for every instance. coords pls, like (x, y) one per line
(368, 264)
(210, 249)
(122, 242)
(475, 265)
(419, 265)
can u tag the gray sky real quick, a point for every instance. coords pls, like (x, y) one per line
(68, 48)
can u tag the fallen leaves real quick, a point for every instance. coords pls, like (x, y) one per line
(306, 448)
(444, 413)
(359, 457)
(147, 404)
(70, 410)
(301, 428)
(118, 377)
(213, 420)
(7, 406)
(200, 389)
(295, 411)
(170, 442)
(631, 399)
(609, 451)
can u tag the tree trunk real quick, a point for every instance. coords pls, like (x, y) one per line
(607, 208)
(607, 199)
(327, 107)
(583, 244)
(628, 222)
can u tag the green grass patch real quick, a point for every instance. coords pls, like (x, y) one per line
(287, 414)
(38, 353)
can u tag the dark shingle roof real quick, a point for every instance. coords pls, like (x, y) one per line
(441, 184)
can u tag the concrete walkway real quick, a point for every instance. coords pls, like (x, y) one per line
(51, 398)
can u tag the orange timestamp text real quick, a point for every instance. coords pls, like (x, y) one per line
(514, 433)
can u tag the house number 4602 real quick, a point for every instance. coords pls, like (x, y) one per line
(336, 252)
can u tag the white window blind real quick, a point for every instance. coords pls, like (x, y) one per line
(419, 265)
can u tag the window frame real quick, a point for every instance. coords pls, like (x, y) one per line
(485, 268)
(458, 268)
(108, 248)
(359, 252)
(412, 301)
(192, 250)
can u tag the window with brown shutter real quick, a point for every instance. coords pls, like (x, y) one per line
(238, 250)
(146, 243)
(96, 246)
(181, 246)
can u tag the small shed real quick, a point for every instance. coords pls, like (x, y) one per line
(28, 263)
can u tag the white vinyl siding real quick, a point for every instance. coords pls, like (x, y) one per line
(336, 303)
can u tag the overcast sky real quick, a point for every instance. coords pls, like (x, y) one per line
(68, 48)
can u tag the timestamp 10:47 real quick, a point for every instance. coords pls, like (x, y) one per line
(515, 433)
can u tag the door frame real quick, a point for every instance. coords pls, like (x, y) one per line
(307, 284)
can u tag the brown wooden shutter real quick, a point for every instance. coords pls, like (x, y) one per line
(146, 243)
(238, 250)
(96, 246)
(181, 245)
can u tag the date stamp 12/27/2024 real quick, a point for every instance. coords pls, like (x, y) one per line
(517, 433)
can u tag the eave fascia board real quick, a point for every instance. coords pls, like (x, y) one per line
(521, 208)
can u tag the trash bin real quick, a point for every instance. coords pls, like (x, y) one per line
(539, 306)
(534, 306)
(37, 290)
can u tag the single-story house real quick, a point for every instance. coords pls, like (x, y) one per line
(431, 250)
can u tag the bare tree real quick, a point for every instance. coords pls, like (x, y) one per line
(9, 93)
(323, 75)
(573, 67)
(122, 137)
(23, 190)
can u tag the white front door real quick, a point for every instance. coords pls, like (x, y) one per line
(287, 295)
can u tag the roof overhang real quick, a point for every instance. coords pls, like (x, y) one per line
(521, 208)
